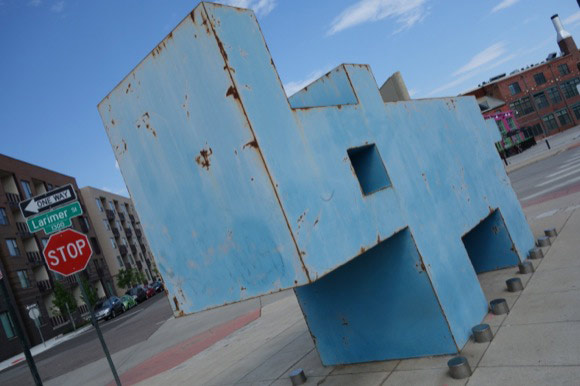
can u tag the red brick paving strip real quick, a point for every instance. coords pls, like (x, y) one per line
(183, 351)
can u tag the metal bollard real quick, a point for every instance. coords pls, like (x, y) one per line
(459, 368)
(482, 333)
(544, 241)
(536, 253)
(514, 284)
(552, 232)
(297, 377)
(499, 306)
(526, 267)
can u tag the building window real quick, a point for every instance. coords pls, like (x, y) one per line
(107, 226)
(132, 260)
(511, 124)
(111, 206)
(26, 188)
(44, 241)
(576, 110)
(563, 117)
(99, 204)
(7, 325)
(23, 277)
(515, 88)
(540, 78)
(537, 130)
(501, 127)
(113, 243)
(569, 88)
(563, 69)
(3, 217)
(12, 247)
(120, 261)
(550, 122)
(522, 106)
(554, 94)
(124, 241)
(118, 224)
(95, 245)
(540, 100)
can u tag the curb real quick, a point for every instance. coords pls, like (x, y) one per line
(540, 158)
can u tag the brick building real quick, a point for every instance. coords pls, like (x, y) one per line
(27, 278)
(543, 96)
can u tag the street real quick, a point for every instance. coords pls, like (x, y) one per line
(126, 330)
(547, 179)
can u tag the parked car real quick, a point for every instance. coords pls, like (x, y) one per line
(158, 286)
(138, 294)
(128, 301)
(149, 291)
(109, 308)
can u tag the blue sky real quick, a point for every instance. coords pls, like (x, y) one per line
(59, 58)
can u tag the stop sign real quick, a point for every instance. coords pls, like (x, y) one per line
(67, 252)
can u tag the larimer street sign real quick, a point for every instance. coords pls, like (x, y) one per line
(55, 220)
(47, 201)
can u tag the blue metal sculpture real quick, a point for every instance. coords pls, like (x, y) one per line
(380, 215)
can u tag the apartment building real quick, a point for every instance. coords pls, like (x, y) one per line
(27, 277)
(118, 227)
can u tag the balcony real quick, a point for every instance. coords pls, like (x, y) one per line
(132, 218)
(138, 233)
(34, 257)
(12, 199)
(116, 232)
(121, 216)
(23, 230)
(148, 262)
(133, 249)
(139, 265)
(128, 232)
(143, 248)
(44, 285)
(70, 280)
(110, 214)
(123, 250)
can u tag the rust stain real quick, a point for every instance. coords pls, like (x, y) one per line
(344, 322)
(192, 16)
(203, 158)
(128, 88)
(423, 267)
(242, 288)
(378, 238)
(233, 92)
(315, 222)
(362, 250)
(253, 144)
(113, 122)
(495, 230)
(513, 248)
(187, 114)
(176, 303)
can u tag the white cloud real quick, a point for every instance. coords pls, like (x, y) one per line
(503, 5)
(260, 7)
(117, 164)
(406, 13)
(292, 88)
(486, 56)
(34, 3)
(490, 58)
(572, 19)
(57, 7)
(413, 92)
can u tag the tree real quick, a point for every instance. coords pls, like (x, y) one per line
(64, 301)
(139, 276)
(125, 278)
(91, 294)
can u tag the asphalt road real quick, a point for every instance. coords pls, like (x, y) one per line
(126, 330)
(549, 178)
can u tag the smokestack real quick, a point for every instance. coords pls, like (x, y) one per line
(562, 33)
(565, 40)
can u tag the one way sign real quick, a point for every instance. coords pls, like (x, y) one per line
(47, 201)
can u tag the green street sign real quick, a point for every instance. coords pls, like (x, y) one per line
(55, 220)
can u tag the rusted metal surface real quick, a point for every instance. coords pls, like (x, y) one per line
(243, 191)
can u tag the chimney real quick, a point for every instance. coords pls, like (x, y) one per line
(565, 40)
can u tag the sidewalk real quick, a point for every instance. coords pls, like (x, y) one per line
(43, 347)
(558, 143)
(537, 343)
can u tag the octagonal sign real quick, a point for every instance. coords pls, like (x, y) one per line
(67, 252)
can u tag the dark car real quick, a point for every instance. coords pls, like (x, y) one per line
(158, 286)
(138, 294)
(109, 308)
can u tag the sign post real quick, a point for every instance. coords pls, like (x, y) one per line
(67, 253)
(34, 314)
(20, 333)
